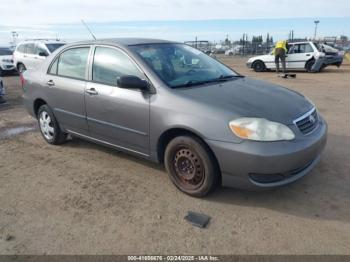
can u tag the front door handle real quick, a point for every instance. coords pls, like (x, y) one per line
(308, 55)
(50, 83)
(91, 91)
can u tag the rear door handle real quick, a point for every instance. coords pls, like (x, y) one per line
(50, 83)
(308, 55)
(91, 91)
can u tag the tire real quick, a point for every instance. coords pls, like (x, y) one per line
(309, 64)
(191, 166)
(21, 68)
(259, 66)
(49, 126)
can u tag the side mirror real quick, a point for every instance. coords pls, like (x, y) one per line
(43, 54)
(132, 82)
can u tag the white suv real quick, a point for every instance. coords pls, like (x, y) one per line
(29, 54)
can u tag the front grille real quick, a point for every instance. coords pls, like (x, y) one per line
(308, 122)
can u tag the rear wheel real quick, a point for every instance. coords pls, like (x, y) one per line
(49, 126)
(259, 66)
(191, 166)
(21, 68)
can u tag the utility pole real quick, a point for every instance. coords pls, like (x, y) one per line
(316, 24)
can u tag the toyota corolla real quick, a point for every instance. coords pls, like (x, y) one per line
(172, 104)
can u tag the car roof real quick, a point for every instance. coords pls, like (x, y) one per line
(45, 41)
(124, 41)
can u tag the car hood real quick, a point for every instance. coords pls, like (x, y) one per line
(5, 57)
(246, 97)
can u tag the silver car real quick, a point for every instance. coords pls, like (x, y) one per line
(208, 124)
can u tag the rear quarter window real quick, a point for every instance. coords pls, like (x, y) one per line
(73, 62)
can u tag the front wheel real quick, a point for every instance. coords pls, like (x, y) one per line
(49, 126)
(191, 166)
(259, 66)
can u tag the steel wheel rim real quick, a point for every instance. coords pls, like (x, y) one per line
(46, 125)
(188, 168)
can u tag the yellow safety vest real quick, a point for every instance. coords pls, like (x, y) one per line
(281, 44)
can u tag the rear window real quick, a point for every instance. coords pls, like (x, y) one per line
(6, 51)
(53, 47)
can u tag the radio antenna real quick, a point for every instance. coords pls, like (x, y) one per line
(86, 26)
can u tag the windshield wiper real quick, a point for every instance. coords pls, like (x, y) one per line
(221, 78)
(191, 83)
(227, 77)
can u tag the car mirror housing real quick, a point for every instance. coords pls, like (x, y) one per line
(132, 82)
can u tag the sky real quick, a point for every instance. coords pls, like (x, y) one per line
(172, 19)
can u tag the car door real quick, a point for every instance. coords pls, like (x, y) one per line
(66, 82)
(115, 115)
(29, 56)
(299, 55)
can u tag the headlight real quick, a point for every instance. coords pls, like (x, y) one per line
(260, 129)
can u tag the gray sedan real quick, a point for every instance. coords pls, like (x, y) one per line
(172, 104)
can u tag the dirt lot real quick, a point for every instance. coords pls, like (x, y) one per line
(82, 198)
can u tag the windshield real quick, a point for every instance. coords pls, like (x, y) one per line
(180, 65)
(53, 47)
(6, 51)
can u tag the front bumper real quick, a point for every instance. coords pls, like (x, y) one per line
(249, 64)
(252, 165)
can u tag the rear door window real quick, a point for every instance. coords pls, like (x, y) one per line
(73, 62)
(303, 48)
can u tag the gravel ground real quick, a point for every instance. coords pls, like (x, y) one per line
(81, 198)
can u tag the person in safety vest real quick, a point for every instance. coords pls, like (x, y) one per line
(280, 51)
